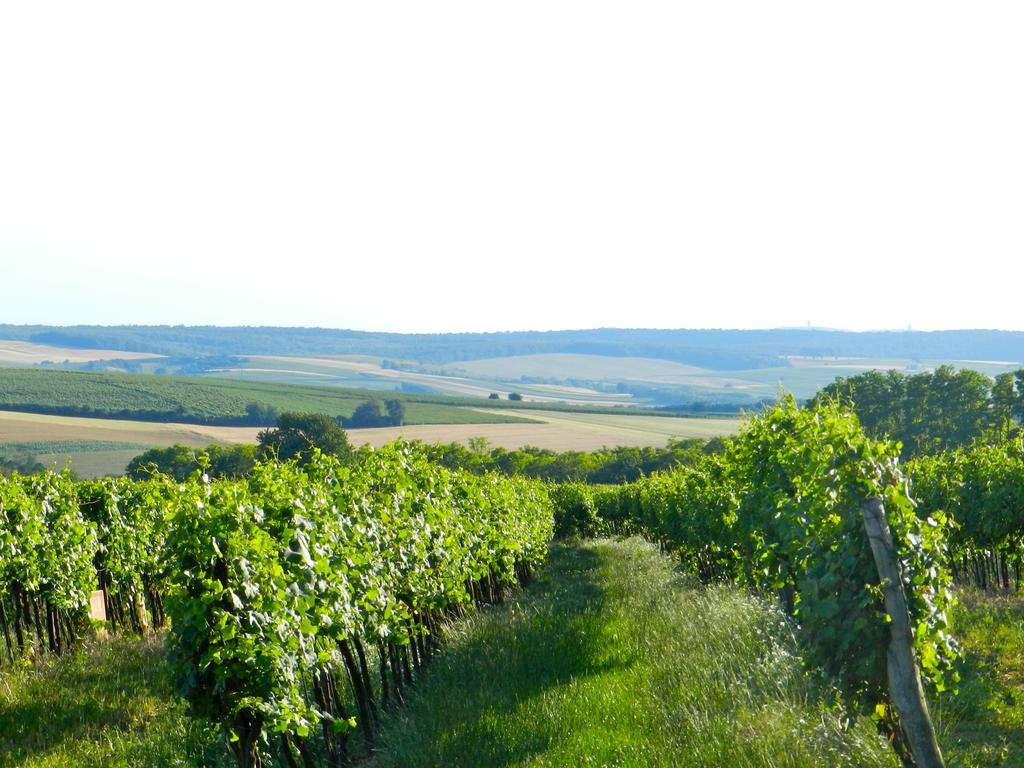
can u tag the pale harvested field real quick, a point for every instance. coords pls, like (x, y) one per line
(90, 464)
(446, 384)
(556, 431)
(27, 427)
(559, 431)
(450, 385)
(571, 365)
(31, 427)
(26, 353)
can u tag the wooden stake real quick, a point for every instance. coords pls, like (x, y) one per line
(905, 687)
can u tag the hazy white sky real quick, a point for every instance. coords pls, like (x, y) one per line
(488, 166)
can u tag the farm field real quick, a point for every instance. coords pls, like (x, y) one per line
(592, 380)
(803, 376)
(363, 371)
(97, 447)
(566, 365)
(559, 431)
(27, 353)
(203, 400)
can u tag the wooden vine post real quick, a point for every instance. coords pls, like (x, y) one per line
(904, 680)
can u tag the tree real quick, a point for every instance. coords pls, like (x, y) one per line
(177, 461)
(515, 396)
(232, 460)
(1008, 398)
(396, 412)
(298, 433)
(367, 414)
(494, 396)
(180, 461)
(480, 446)
(261, 414)
(927, 412)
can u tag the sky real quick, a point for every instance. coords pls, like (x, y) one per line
(458, 166)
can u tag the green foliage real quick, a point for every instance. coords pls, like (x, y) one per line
(299, 434)
(131, 520)
(575, 511)
(46, 562)
(238, 646)
(396, 412)
(780, 511)
(181, 461)
(261, 414)
(607, 465)
(280, 571)
(932, 411)
(982, 488)
(20, 463)
(801, 476)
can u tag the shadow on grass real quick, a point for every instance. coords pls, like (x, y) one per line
(462, 712)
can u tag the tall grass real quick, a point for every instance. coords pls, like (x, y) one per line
(110, 704)
(614, 659)
(982, 723)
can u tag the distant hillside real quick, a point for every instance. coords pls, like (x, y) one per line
(720, 350)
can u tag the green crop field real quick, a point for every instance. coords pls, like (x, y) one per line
(202, 400)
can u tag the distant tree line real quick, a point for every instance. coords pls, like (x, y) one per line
(297, 434)
(607, 465)
(717, 349)
(932, 411)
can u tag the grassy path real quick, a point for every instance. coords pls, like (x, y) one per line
(613, 659)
